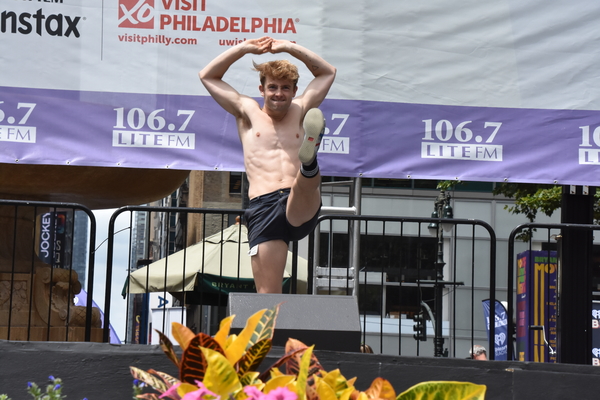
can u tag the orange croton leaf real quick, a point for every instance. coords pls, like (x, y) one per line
(193, 365)
(293, 363)
(182, 334)
(381, 389)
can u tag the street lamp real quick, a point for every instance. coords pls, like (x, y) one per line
(441, 207)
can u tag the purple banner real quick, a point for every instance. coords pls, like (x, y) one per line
(363, 138)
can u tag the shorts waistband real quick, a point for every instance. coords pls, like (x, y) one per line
(273, 196)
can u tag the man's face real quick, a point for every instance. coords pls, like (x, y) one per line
(278, 93)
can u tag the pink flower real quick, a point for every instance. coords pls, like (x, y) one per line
(171, 393)
(200, 393)
(280, 393)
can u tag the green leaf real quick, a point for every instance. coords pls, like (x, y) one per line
(444, 390)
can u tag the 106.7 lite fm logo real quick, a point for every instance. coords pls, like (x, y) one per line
(183, 15)
(40, 23)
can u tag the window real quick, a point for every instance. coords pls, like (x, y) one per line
(401, 261)
(235, 183)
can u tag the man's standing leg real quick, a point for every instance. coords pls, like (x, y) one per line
(268, 265)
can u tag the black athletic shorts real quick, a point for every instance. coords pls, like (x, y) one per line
(266, 219)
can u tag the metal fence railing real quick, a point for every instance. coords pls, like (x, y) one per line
(46, 251)
(418, 293)
(550, 293)
(409, 280)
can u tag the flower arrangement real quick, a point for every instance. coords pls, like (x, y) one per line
(225, 367)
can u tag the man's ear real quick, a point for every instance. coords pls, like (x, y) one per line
(260, 89)
(295, 90)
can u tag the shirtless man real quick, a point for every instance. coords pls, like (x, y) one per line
(280, 142)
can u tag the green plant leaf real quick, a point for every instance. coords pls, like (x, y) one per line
(149, 379)
(444, 390)
(193, 365)
(220, 376)
(167, 347)
(254, 356)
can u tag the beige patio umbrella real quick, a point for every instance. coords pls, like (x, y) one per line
(218, 264)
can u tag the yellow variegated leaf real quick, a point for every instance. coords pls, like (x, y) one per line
(345, 394)
(223, 333)
(186, 388)
(444, 390)
(275, 372)
(230, 340)
(337, 381)
(251, 360)
(238, 347)
(182, 334)
(220, 376)
(381, 389)
(266, 326)
(251, 379)
(325, 391)
(279, 381)
(303, 373)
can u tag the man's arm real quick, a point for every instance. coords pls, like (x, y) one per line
(212, 75)
(323, 72)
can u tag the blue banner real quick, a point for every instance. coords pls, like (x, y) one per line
(501, 335)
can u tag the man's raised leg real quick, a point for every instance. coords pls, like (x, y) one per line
(305, 195)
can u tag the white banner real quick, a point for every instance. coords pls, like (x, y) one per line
(114, 83)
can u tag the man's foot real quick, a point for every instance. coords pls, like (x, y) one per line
(314, 127)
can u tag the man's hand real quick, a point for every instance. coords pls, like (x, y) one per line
(279, 46)
(258, 46)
